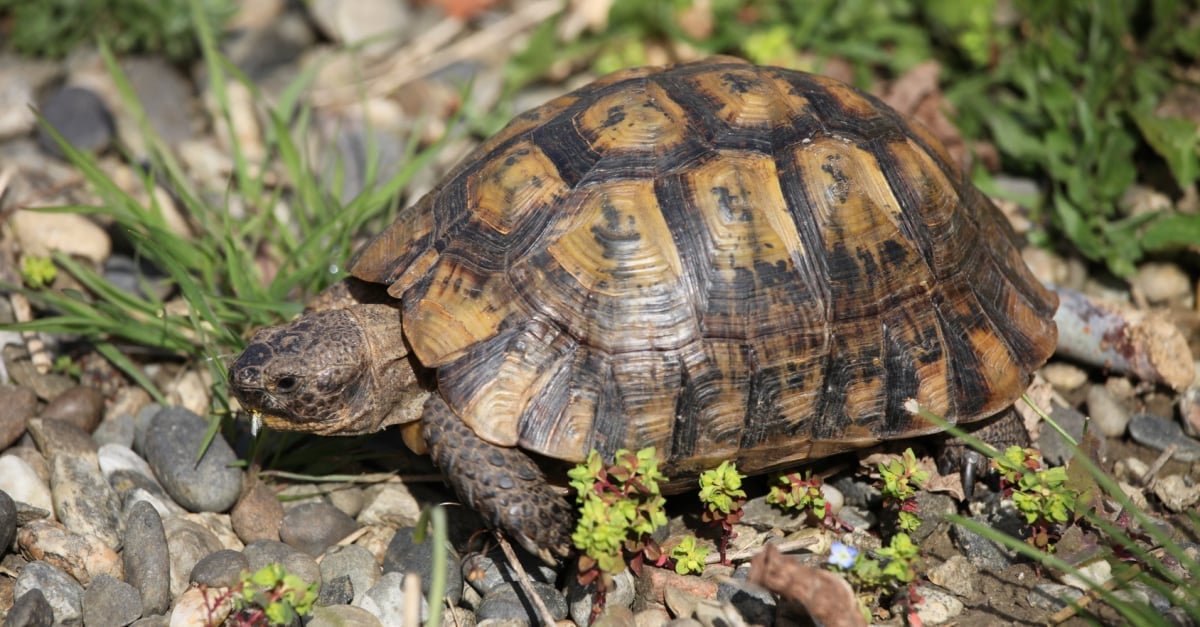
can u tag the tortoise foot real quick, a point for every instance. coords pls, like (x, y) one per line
(503, 484)
(1001, 431)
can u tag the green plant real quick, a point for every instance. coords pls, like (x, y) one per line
(1041, 494)
(53, 28)
(620, 505)
(271, 596)
(901, 478)
(723, 497)
(38, 272)
(795, 491)
(892, 567)
(688, 556)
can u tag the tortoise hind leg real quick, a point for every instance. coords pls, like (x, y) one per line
(1001, 431)
(503, 484)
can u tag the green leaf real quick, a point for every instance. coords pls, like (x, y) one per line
(1173, 231)
(1176, 140)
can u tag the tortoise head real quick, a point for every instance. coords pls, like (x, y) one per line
(331, 372)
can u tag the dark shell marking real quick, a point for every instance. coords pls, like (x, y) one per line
(720, 260)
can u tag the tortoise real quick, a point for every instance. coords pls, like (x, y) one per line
(721, 260)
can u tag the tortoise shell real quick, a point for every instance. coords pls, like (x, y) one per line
(721, 260)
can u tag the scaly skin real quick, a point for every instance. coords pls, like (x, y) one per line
(503, 484)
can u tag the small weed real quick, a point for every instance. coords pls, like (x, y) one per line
(688, 556)
(1039, 493)
(38, 272)
(901, 478)
(801, 492)
(620, 505)
(270, 596)
(892, 568)
(723, 497)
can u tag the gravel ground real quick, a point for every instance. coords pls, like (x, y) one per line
(107, 516)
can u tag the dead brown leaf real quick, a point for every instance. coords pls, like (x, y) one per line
(828, 598)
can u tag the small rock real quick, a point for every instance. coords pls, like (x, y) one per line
(72, 234)
(80, 406)
(17, 97)
(390, 504)
(132, 479)
(956, 574)
(756, 605)
(199, 607)
(80, 117)
(581, 598)
(8, 521)
(762, 515)
(937, 606)
(257, 514)
(613, 616)
(510, 602)
(147, 557)
(1108, 414)
(110, 601)
(337, 590)
(1189, 407)
(1176, 493)
(1163, 283)
(354, 563)
(190, 392)
(16, 359)
(166, 96)
(1097, 572)
(983, 553)
(63, 593)
(653, 583)
(385, 24)
(1066, 377)
(484, 572)
(314, 527)
(348, 499)
(1055, 449)
(934, 508)
(129, 401)
(116, 429)
(342, 616)
(187, 543)
(1159, 433)
(222, 569)
(19, 404)
(21, 482)
(173, 440)
(80, 556)
(1052, 597)
(142, 420)
(83, 500)
(405, 555)
(264, 552)
(31, 609)
(386, 600)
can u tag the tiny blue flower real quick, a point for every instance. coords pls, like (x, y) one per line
(842, 556)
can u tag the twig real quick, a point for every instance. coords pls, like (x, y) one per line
(786, 546)
(1147, 480)
(1069, 611)
(378, 477)
(523, 579)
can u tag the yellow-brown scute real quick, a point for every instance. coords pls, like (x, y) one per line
(719, 260)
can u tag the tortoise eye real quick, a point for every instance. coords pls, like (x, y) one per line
(286, 384)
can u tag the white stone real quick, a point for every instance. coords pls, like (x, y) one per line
(20, 481)
(41, 234)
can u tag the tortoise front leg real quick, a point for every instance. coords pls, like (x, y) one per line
(503, 484)
(1001, 431)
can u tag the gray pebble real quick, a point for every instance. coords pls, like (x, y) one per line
(1054, 448)
(83, 500)
(146, 558)
(1052, 596)
(764, 516)
(956, 574)
(581, 598)
(116, 430)
(1108, 414)
(81, 406)
(62, 592)
(31, 609)
(934, 508)
(175, 437)
(80, 116)
(342, 616)
(485, 572)
(355, 564)
(141, 425)
(754, 603)
(139, 278)
(1159, 433)
(187, 543)
(937, 605)
(166, 96)
(337, 590)
(110, 601)
(509, 602)
(314, 527)
(404, 555)
(221, 569)
(19, 404)
(8, 521)
(983, 553)
(19, 479)
(160, 620)
(300, 564)
(24, 373)
(385, 600)
(133, 480)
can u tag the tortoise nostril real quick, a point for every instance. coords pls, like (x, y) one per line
(286, 384)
